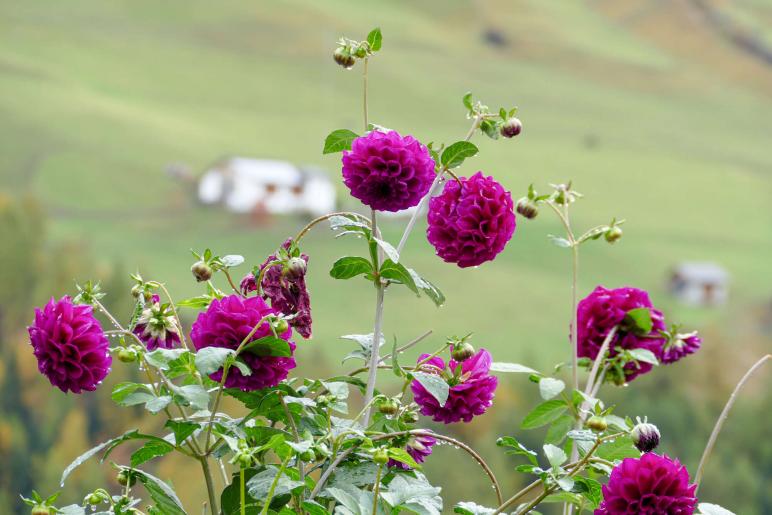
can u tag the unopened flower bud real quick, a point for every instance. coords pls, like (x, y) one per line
(462, 351)
(613, 234)
(645, 436)
(511, 128)
(388, 407)
(597, 424)
(244, 460)
(93, 498)
(280, 325)
(381, 457)
(295, 268)
(201, 271)
(410, 417)
(343, 57)
(136, 291)
(124, 478)
(527, 208)
(127, 355)
(40, 510)
(307, 456)
(361, 50)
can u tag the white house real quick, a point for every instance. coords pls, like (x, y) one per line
(246, 185)
(699, 284)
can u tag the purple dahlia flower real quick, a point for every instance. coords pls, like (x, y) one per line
(418, 447)
(471, 222)
(681, 345)
(471, 388)
(388, 172)
(226, 323)
(157, 326)
(603, 309)
(284, 283)
(649, 485)
(71, 348)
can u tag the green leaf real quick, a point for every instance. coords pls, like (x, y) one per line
(375, 39)
(454, 155)
(338, 141)
(200, 302)
(415, 495)
(644, 355)
(162, 494)
(93, 452)
(544, 413)
(618, 449)
(555, 455)
(402, 456)
(558, 430)
(350, 266)
(269, 346)
(192, 394)
(388, 249)
(212, 359)
(181, 429)
(590, 489)
(428, 288)
(470, 508)
(150, 450)
(161, 357)
(550, 387)
(467, 100)
(560, 242)
(398, 273)
(435, 385)
(156, 404)
(131, 394)
(712, 509)
(231, 260)
(490, 129)
(259, 485)
(511, 367)
(314, 508)
(638, 321)
(517, 448)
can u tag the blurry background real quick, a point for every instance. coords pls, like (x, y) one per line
(660, 112)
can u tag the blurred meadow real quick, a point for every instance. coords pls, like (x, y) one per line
(657, 111)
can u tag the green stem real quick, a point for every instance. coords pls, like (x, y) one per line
(176, 316)
(242, 493)
(209, 484)
(364, 92)
(722, 418)
(275, 482)
(322, 218)
(377, 489)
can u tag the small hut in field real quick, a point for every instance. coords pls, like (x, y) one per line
(699, 284)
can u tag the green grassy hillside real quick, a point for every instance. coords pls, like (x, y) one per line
(97, 97)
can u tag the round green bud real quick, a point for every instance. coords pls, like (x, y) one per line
(361, 51)
(127, 355)
(280, 325)
(462, 351)
(308, 455)
(136, 291)
(93, 498)
(244, 460)
(597, 424)
(613, 234)
(381, 457)
(124, 478)
(201, 271)
(410, 417)
(388, 407)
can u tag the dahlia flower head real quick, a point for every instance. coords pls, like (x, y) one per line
(471, 394)
(226, 323)
(603, 309)
(285, 288)
(471, 222)
(649, 485)
(418, 447)
(680, 346)
(71, 348)
(388, 172)
(157, 326)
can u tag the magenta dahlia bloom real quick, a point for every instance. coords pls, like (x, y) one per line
(471, 388)
(649, 485)
(157, 326)
(603, 309)
(388, 172)
(679, 346)
(71, 348)
(471, 222)
(284, 283)
(418, 447)
(226, 323)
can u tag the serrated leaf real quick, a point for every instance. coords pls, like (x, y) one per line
(618, 449)
(470, 508)
(388, 249)
(150, 450)
(559, 429)
(128, 435)
(350, 266)
(644, 355)
(428, 288)
(162, 494)
(590, 490)
(211, 359)
(269, 346)
(435, 385)
(555, 455)
(712, 509)
(182, 429)
(402, 456)
(544, 413)
(200, 302)
(550, 387)
(511, 367)
(259, 485)
(338, 141)
(454, 155)
(517, 448)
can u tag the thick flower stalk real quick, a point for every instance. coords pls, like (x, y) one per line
(472, 388)
(226, 323)
(649, 485)
(471, 221)
(603, 310)
(70, 345)
(387, 171)
(157, 326)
